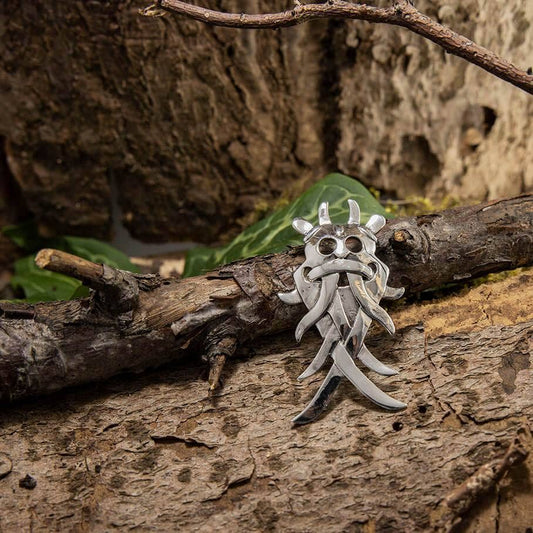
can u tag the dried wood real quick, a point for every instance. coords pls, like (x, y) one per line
(157, 452)
(401, 13)
(46, 347)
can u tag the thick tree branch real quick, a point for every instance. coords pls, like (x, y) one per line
(402, 13)
(49, 346)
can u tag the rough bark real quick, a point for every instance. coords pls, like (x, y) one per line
(50, 346)
(401, 13)
(201, 126)
(156, 452)
(436, 126)
(12, 211)
(196, 126)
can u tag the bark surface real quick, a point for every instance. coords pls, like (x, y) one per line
(201, 126)
(156, 451)
(196, 126)
(135, 322)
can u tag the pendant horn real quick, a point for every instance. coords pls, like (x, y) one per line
(323, 214)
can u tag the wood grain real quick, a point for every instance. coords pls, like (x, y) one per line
(152, 451)
(50, 346)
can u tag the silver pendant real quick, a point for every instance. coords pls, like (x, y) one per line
(341, 282)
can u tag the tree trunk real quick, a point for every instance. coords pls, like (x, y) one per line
(194, 124)
(156, 452)
(203, 126)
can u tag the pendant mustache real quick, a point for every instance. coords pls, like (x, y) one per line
(338, 266)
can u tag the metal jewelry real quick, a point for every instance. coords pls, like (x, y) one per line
(341, 282)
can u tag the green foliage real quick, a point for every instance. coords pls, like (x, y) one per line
(98, 252)
(274, 232)
(25, 236)
(271, 234)
(41, 285)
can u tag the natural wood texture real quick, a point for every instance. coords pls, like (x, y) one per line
(203, 128)
(152, 451)
(186, 122)
(117, 290)
(401, 13)
(47, 347)
(89, 273)
(456, 504)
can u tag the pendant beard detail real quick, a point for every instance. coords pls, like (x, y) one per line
(341, 282)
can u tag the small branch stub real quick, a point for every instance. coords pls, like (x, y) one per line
(87, 272)
(217, 354)
(400, 235)
(216, 365)
(117, 289)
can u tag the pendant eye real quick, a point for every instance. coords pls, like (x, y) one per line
(327, 245)
(353, 244)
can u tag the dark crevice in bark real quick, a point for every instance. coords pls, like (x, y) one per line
(330, 90)
(13, 203)
(172, 439)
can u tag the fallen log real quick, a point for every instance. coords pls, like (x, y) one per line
(133, 322)
(157, 450)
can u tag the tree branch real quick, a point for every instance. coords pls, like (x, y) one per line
(118, 290)
(49, 346)
(402, 13)
(458, 502)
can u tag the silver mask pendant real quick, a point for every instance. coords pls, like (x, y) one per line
(341, 283)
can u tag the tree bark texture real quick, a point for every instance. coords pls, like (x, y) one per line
(156, 452)
(401, 13)
(12, 210)
(202, 126)
(143, 321)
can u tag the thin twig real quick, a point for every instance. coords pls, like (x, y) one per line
(458, 502)
(401, 13)
(117, 289)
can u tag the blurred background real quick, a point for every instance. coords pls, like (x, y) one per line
(144, 131)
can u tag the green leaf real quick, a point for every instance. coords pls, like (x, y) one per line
(41, 285)
(274, 232)
(99, 252)
(25, 236)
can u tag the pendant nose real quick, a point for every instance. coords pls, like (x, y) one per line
(341, 251)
